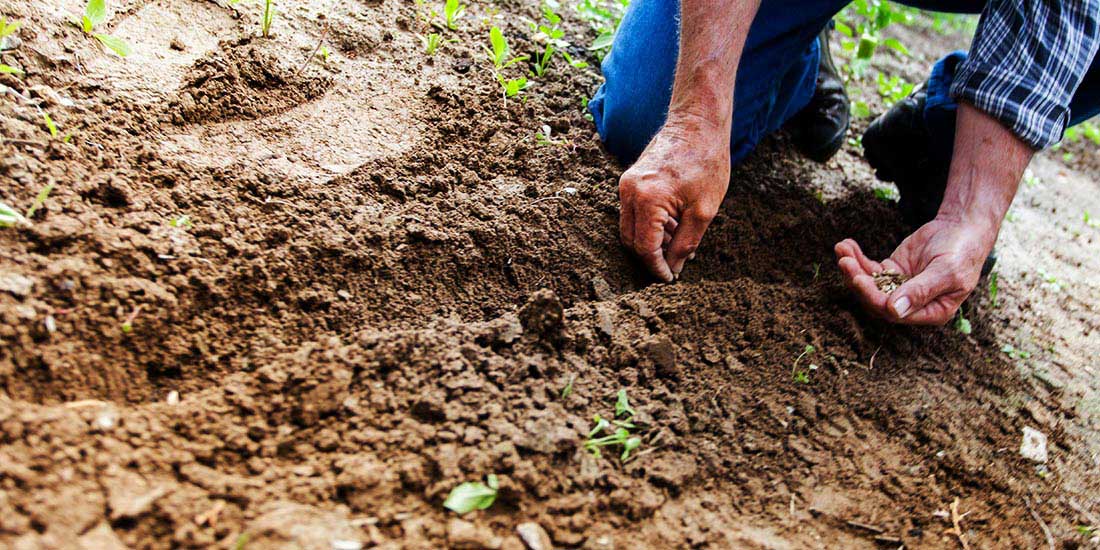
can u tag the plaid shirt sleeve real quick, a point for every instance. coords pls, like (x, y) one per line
(1027, 59)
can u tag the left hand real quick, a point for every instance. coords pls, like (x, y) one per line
(944, 258)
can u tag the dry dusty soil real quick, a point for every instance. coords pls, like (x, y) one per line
(385, 283)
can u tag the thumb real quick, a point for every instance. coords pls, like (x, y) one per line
(686, 239)
(916, 293)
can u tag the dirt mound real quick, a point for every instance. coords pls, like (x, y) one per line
(368, 282)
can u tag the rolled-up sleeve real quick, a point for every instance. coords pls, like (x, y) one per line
(1026, 62)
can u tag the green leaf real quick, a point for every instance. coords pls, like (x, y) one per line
(500, 46)
(962, 324)
(8, 29)
(629, 445)
(86, 24)
(50, 125)
(472, 495)
(843, 28)
(9, 217)
(39, 200)
(8, 69)
(867, 46)
(117, 45)
(94, 14)
(602, 41)
(860, 109)
(895, 45)
(622, 405)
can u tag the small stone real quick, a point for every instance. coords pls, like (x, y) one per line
(347, 545)
(105, 421)
(602, 289)
(534, 536)
(16, 284)
(462, 534)
(173, 397)
(1034, 445)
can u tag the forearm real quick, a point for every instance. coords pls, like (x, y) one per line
(988, 163)
(712, 36)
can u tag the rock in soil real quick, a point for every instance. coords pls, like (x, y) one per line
(534, 536)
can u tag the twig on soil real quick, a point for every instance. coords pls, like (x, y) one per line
(320, 42)
(871, 363)
(866, 527)
(210, 517)
(85, 403)
(1042, 524)
(955, 519)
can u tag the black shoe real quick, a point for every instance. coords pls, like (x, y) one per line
(900, 148)
(818, 130)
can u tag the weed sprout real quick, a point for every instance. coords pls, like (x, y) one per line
(10, 218)
(617, 430)
(268, 18)
(802, 376)
(6, 30)
(473, 495)
(39, 200)
(95, 12)
(500, 56)
(452, 12)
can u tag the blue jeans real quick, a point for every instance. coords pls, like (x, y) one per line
(776, 77)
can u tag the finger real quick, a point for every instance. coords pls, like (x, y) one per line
(923, 289)
(863, 286)
(850, 248)
(649, 230)
(626, 219)
(670, 230)
(687, 238)
(938, 313)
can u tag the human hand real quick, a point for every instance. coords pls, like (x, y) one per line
(944, 258)
(671, 194)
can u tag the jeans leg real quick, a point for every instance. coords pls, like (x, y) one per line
(776, 77)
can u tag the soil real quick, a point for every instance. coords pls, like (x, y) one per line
(387, 283)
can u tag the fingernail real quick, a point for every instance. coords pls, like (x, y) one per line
(692, 256)
(901, 306)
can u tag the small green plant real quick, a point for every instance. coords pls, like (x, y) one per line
(862, 23)
(1030, 179)
(568, 389)
(1049, 280)
(500, 52)
(39, 200)
(893, 89)
(993, 289)
(181, 222)
(241, 541)
(10, 218)
(1091, 221)
(268, 18)
(1014, 353)
(95, 12)
(6, 30)
(432, 42)
(887, 193)
(51, 127)
(544, 138)
(452, 12)
(1088, 129)
(324, 53)
(604, 17)
(802, 375)
(962, 324)
(1087, 531)
(473, 495)
(860, 109)
(617, 431)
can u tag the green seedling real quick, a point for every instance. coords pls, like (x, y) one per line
(499, 54)
(889, 194)
(1090, 221)
(862, 23)
(1050, 280)
(893, 89)
(473, 495)
(242, 540)
(802, 375)
(268, 18)
(431, 42)
(1014, 353)
(552, 34)
(128, 323)
(10, 218)
(544, 138)
(962, 324)
(512, 86)
(95, 13)
(993, 288)
(1030, 179)
(323, 53)
(860, 109)
(39, 200)
(6, 30)
(568, 389)
(1087, 531)
(604, 17)
(452, 12)
(51, 127)
(622, 405)
(182, 222)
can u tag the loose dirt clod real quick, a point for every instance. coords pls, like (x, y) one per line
(889, 280)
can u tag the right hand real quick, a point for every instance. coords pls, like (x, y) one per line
(671, 194)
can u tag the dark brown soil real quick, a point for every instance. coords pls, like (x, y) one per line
(368, 309)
